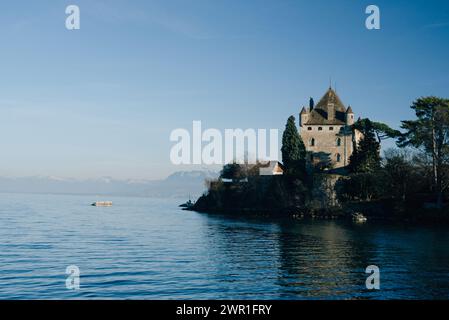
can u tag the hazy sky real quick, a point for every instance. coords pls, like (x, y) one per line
(102, 101)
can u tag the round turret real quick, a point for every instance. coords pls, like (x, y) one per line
(349, 116)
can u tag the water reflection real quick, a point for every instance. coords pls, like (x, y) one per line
(149, 249)
(317, 261)
(327, 259)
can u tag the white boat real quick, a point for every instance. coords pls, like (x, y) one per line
(358, 217)
(102, 204)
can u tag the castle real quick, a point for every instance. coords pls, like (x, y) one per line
(325, 131)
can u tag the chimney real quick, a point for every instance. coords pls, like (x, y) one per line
(303, 117)
(311, 104)
(330, 111)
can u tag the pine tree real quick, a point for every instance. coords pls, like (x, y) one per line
(381, 130)
(354, 158)
(430, 133)
(293, 149)
(366, 156)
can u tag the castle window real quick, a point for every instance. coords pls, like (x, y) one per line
(309, 128)
(331, 128)
(320, 128)
(312, 142)
(338, 157)
(338, 142)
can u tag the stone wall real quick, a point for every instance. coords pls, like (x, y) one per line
(325, 142)
(324, 194)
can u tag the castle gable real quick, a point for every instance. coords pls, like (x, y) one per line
(328, 111)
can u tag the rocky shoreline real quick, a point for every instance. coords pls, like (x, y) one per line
(373, 211)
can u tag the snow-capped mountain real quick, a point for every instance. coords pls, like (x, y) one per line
(179, 184)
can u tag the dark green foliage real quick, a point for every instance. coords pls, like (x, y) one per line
(369, 180)
(400, 176)
(259, 195)
(354, 159)
(404, 178)
(430, 133)
(366, 155)
(432, 123)
(234, 171)
(381, 130)
(363, 186)
(293, 149)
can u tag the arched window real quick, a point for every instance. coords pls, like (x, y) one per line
(309, 128)
(338, 157)
(312, 142)
(338, 142)
(320, 128)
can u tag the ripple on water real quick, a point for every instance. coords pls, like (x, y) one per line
(149, 249)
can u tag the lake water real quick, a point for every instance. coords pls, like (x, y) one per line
(149, 249)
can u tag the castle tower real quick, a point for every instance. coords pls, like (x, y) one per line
(325, 131)
(349, 116)
(303, 116)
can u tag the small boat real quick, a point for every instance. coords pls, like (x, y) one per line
(102, 204)
(358, 217)
(189, 204)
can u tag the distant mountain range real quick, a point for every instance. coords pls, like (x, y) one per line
(178, 185)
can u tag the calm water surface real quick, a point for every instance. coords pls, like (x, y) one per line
(149, 249)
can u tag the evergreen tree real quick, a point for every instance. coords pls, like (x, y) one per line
(430, 133)
(293, 149)
(382, 130)
(366, 156)
(354, 158)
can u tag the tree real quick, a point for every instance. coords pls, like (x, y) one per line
(233, 171)
(381, 130)
(366, 155)
(362, 186)
(293, 149)
(400, 174)
(430, 133)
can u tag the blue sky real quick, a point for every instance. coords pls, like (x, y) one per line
(102, 101)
